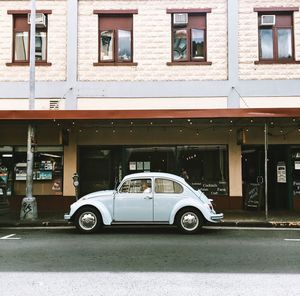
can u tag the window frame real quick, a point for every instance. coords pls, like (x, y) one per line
(116, 61)
(277, 11)
(191, 13)
(24, 13)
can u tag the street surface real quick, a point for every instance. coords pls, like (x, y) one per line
(149, 261)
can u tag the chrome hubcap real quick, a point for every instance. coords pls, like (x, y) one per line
(189, 221)
(87, 220)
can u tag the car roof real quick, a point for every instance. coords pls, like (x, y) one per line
(155, 174)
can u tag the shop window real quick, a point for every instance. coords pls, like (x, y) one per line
(115, 38)
(21, 38)
(189, 41)
(6, 170)
(276, 37)
(154, 159)
(47, 170)
(205, 168)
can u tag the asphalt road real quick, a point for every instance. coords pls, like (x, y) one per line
(150, 261)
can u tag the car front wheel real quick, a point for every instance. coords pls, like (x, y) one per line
(88, 220)
(189, 220)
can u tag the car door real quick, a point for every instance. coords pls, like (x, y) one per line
(134, 201)
(167, 194)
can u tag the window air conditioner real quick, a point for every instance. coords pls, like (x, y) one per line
(267, 20)
(180, 19)
(40, 20)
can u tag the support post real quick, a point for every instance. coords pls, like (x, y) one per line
(266, 171)
(29, 205)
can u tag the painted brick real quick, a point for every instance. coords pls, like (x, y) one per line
(248, 42)
(57, 46)
(152, 42)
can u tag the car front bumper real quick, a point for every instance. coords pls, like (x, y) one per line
(67, 217)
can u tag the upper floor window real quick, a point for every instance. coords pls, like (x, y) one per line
(115, 37)
(275, 35)
(189, 41)
(21, 37)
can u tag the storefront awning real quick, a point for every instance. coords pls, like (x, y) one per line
(148, 114)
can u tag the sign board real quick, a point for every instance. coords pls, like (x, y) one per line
(281, 172)
(254, 195)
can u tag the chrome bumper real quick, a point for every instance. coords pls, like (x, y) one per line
(67, 217)
(217, 217)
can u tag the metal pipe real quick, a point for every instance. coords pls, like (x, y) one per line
(266, 170)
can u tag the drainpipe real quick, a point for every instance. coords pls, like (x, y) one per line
(266, 171)
(29, 205)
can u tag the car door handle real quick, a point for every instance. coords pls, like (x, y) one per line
(148, 197)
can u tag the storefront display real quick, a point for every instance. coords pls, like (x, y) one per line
(47, 170)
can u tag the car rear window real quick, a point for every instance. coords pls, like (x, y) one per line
(167, 186)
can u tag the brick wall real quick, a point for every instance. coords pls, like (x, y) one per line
(248, 42)
(57, 45)
(152, 42)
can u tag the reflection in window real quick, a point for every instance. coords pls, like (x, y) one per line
(266, 43)
(284, 43)
(40, 46)
(21, 46)
(180, 45)
(167, 186)
(107, 41)
(197, 44)
(124, 45)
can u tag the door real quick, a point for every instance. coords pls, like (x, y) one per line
(279, 178)
(134, 201)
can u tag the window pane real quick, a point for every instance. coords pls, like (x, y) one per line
(140, 186)
(167, 186)
(40, 46)
(180, 45)
(266, 44)
(107, 41)
(124, 45)
(197, 44)
(125, 187)
(284, 43)
(21, 46)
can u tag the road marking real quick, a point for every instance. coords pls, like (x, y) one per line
(292, 239)
(10, 236)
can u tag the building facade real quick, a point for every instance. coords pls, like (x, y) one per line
(176, 86)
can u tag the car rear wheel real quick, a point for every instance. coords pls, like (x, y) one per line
(88, 220)
(189, 220)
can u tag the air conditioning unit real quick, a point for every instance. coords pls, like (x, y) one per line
(267, 20)
(40, 20)
(180, 19)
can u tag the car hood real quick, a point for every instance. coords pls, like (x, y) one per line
(99, 194)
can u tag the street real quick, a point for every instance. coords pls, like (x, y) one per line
(149, 261)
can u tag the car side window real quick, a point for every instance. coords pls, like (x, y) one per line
(167, 186)
(136, 186)
(125, 187)
(140, 186)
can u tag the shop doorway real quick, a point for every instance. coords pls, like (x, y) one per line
(279, 177)
(98, 168)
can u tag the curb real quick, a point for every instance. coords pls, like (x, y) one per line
(233, 223)
(267, 224)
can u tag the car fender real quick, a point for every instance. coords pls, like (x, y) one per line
(106, 215)
(189, 203)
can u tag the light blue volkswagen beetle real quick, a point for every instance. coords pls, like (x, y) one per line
(145, 198)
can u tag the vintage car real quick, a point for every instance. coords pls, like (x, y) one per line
(145, 198)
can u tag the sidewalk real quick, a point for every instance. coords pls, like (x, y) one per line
(231, 218)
